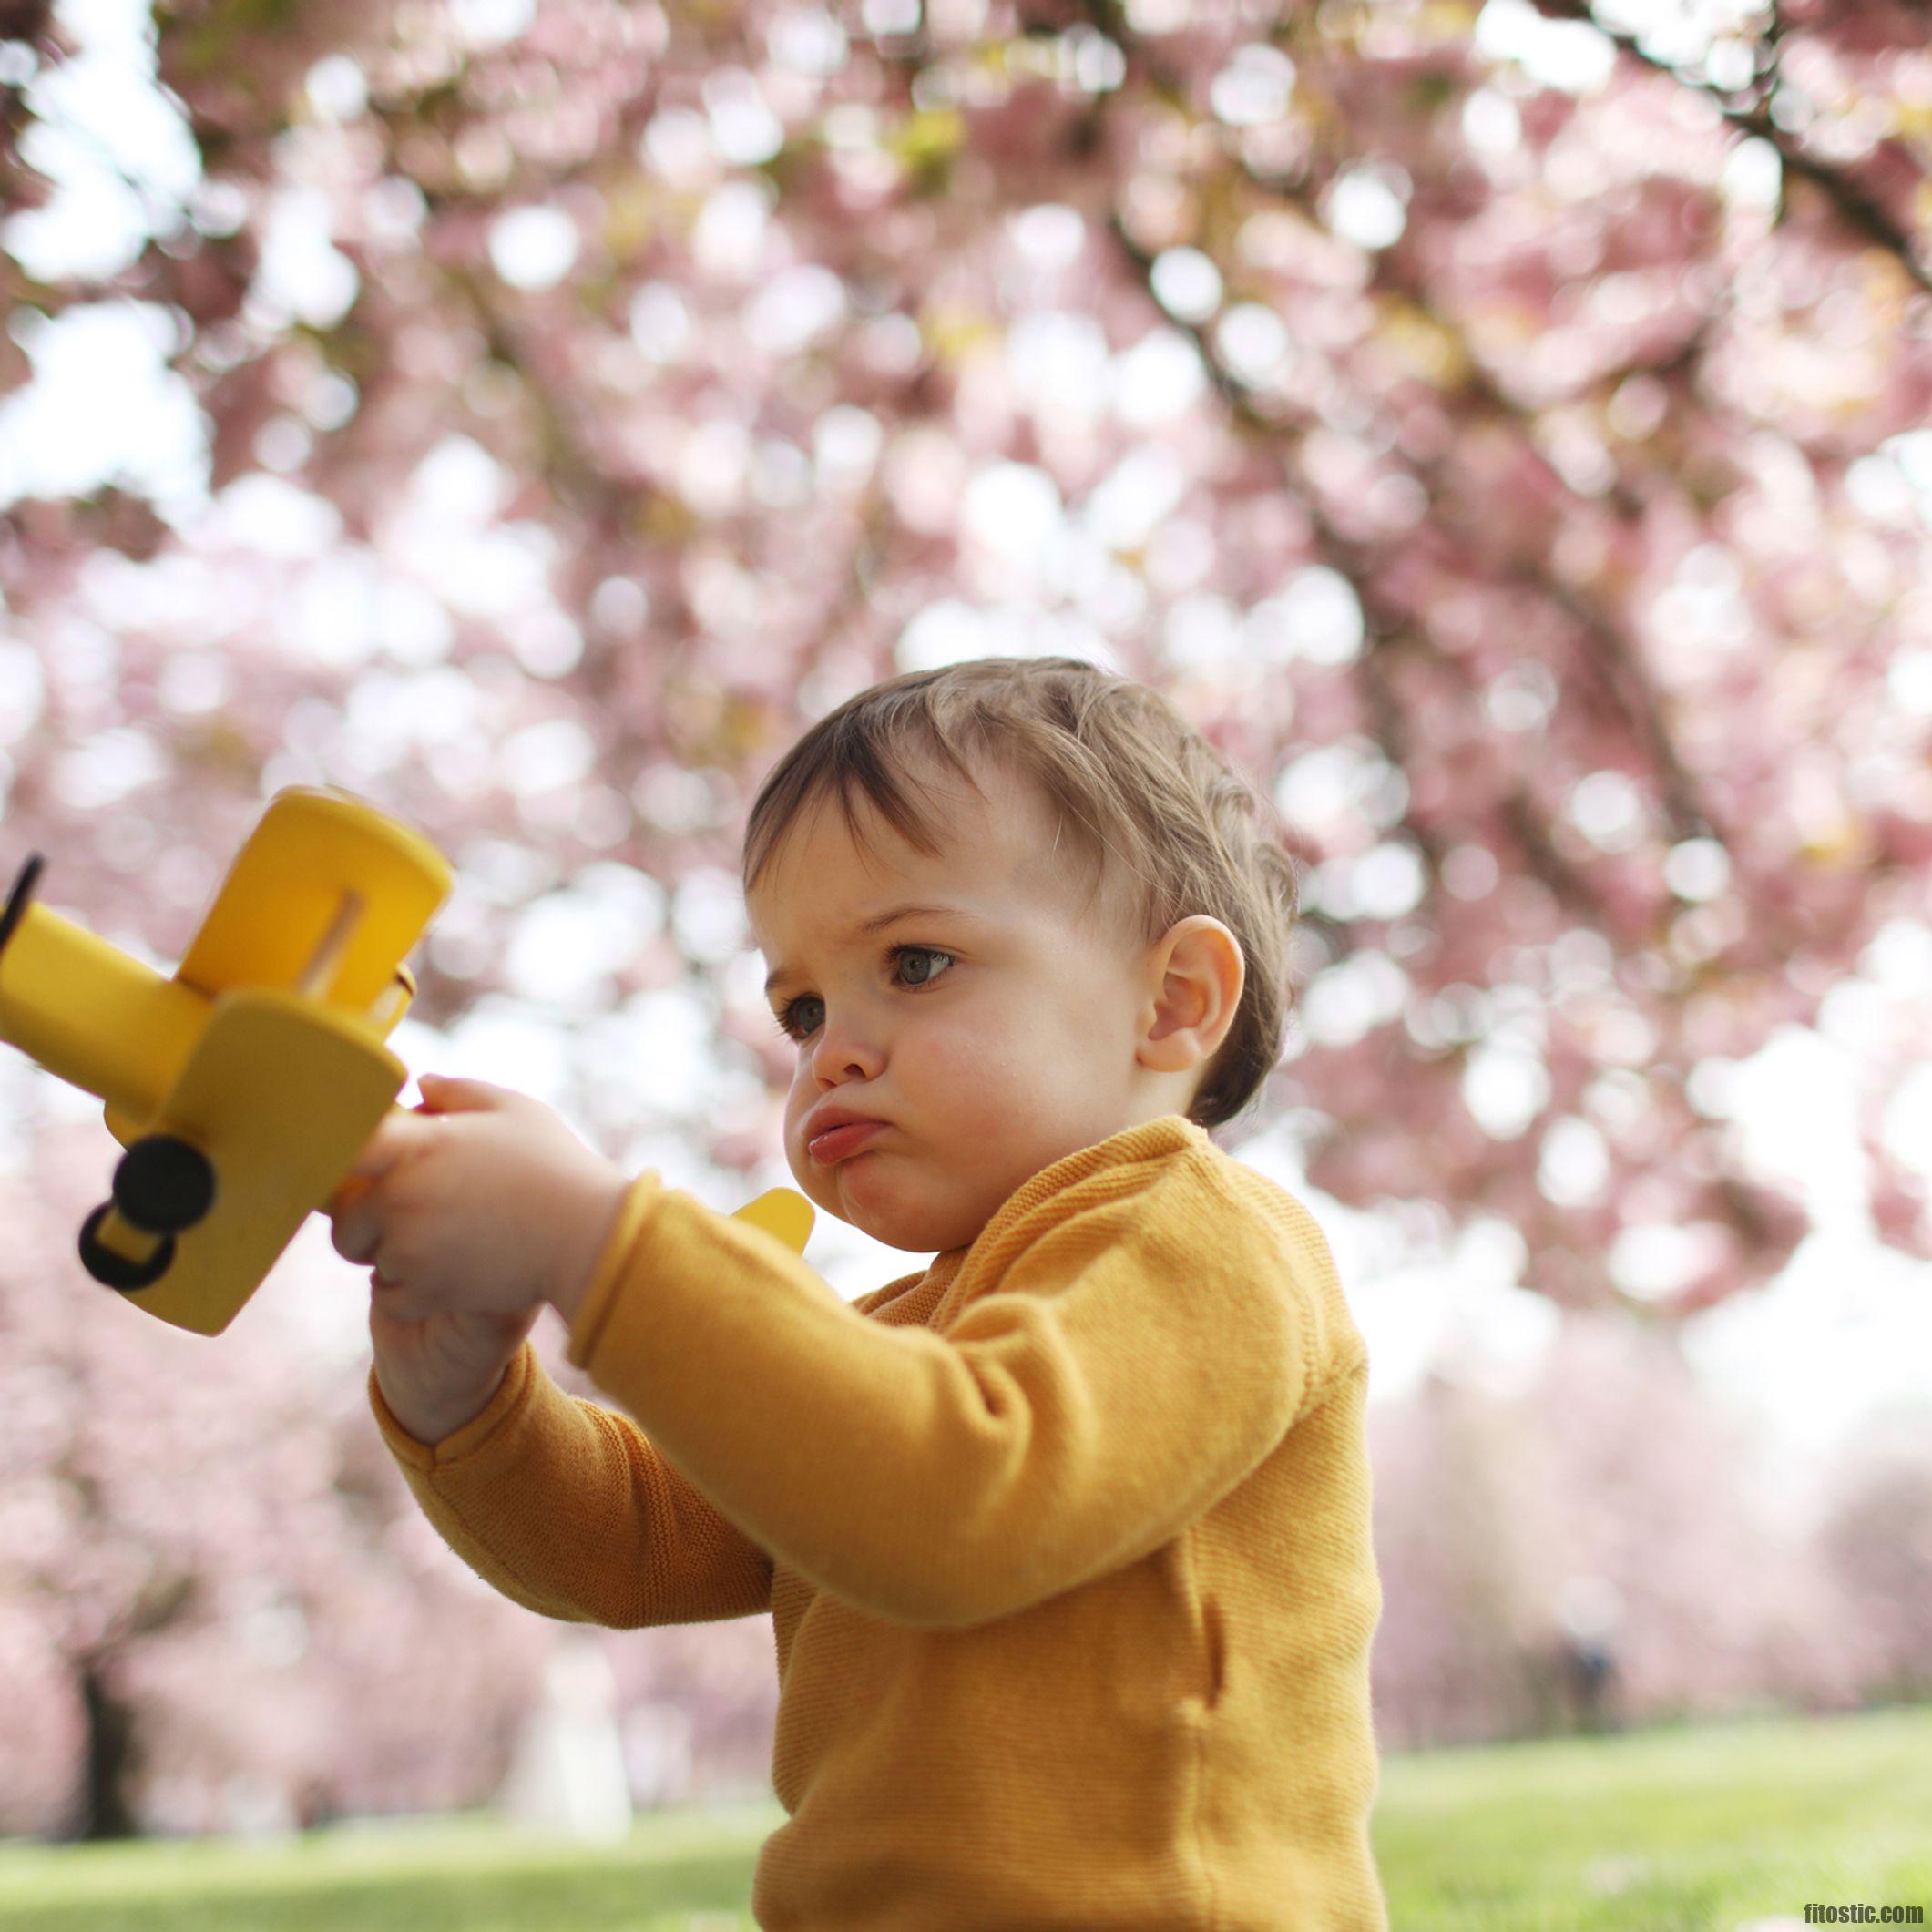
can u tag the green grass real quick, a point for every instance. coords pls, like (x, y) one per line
(676, 1872)
(1709, 1827)
(1706, 1826)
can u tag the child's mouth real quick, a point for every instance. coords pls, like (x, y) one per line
(838, 1142)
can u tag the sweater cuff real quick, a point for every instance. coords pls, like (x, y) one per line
(640, 1201)
(511, 1394)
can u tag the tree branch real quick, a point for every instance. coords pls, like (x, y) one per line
(1862, 210)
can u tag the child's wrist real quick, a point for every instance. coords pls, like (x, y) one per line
(594, 1227)
(432, 1423)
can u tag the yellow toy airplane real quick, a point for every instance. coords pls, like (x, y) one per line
(243, 1087)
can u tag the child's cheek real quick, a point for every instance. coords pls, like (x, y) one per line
(969, 1072)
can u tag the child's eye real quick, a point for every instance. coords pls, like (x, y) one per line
(789, 1024)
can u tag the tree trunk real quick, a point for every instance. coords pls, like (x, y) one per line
(102, 1811)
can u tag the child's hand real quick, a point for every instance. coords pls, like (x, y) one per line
(442, 1371)
(483, 1202)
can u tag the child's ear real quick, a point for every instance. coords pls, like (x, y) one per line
(1196, 974)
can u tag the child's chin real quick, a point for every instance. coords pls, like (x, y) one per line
(897, 1224)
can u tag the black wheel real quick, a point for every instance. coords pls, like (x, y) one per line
(114, 1271)
(163, 1185)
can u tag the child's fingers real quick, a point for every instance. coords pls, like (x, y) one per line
(446, 1096)
(393, 1299)
(346, 1196)
(353, 1237)
(397, 1135)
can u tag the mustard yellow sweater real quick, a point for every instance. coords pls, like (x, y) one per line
(1064, 1538)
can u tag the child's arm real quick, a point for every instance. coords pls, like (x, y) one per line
(1131, 1351)
(570, 1510)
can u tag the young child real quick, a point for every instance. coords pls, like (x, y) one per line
(1065, 1536)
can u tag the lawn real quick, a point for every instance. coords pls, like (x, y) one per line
(1712, 1827)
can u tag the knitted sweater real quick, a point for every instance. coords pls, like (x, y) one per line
(1066, 1541)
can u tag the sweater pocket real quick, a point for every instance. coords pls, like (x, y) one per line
(1214, 1635)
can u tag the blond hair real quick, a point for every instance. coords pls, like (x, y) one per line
(1141, 786)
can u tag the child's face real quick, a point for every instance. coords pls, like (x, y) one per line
(1003, 1036)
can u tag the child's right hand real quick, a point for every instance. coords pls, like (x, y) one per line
(441, 1372)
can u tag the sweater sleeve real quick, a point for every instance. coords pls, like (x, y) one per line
(568, 1510)
(1133, 1362)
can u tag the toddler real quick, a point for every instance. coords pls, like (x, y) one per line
(1065, 1536)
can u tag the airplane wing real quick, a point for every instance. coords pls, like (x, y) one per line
(279, 1097)
(324, 898)
(782, 1211)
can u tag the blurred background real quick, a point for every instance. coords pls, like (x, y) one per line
(1501, 428)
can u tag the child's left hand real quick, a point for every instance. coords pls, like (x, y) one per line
(482, 1199)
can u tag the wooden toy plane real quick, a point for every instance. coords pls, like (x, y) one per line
(243, 1087)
